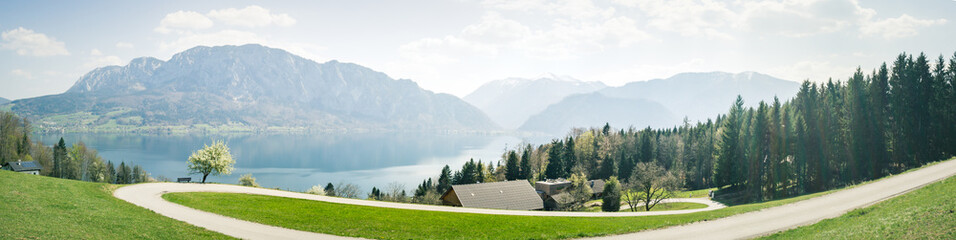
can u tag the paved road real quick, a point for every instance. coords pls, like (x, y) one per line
(745, 225)
(149, 195)
(771, 220)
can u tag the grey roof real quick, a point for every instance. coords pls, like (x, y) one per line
(597, 186)
(20, 166)
(515, 195)
(563, 198)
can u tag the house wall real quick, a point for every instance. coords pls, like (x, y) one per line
(451, 199)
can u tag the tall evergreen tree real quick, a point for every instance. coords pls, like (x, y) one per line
(444, 180)
(728, 148)
(59, 158)
(878, 93)
(569, 158)
(511, 166)
(857, 110)
(111, 172)
(555, 167)
(526, 170)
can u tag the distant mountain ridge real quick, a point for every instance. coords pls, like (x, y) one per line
(699, 96)
(4, 100)
(596, 109)
(696, 96)
(510, 102)
(254, 85)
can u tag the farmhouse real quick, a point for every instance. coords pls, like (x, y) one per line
(555, 186)
(29, 167)
(511, 195)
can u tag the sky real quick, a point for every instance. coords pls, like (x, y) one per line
(455, 46)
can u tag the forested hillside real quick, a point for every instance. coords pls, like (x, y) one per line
(75, 162)
(831, 134)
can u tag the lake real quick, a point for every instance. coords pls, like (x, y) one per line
(297, 162)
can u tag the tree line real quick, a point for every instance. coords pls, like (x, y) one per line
(829, 135)
(75, 162)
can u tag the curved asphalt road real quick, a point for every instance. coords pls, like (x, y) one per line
(747, 225)
(149, 195)
(775, 219)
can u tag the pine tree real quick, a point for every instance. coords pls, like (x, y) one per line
(122, 176)
(569, 158)
(606, 170)
(511, 166)
(330, 190)
(526, 170)
(59, 158)
(444, 180)
(856, 108)
(878, 93)
(728, 148)
(555, 167)
(111, 172)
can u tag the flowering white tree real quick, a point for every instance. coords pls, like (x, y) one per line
(211, 159)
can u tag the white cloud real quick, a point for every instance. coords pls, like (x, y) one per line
(510, 31)
(181, 21)
(493, 28)
(578, 28)
(22, 73)
(802, 18)
(26, 42)
(573, 9)
(813, 70)
(124, 45)
(224, 37)
(251, 16)
(720, 20)
(642, 72)
(98, 59)
(900, 27)
(687, 17)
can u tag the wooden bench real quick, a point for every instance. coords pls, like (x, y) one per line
(184, 179)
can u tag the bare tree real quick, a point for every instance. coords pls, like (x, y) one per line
(649, 185)
(395, 192)
(347, 190)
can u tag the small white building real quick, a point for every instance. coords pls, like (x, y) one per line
(29, 167)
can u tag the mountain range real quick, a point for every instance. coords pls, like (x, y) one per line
(3, 101)
(510, 102)
(699, 96)
(250, 85)
(596, 109)
(655, 103)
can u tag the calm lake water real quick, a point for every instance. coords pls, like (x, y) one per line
(299, 161)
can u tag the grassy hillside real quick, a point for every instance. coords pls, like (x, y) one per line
(35, 207)
(927, 213)
(387, 223)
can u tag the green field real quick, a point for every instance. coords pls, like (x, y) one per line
(387, 223)
(673, 206)
(927, 213)
(659, 207)
(35, 207)
(700, 193)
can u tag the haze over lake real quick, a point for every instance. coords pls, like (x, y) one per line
(298, 161)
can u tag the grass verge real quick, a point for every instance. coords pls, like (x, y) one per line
(387, 223)
(927, 213)
(36, 207)
(659, 207)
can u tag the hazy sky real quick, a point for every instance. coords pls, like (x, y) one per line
(455, 46)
